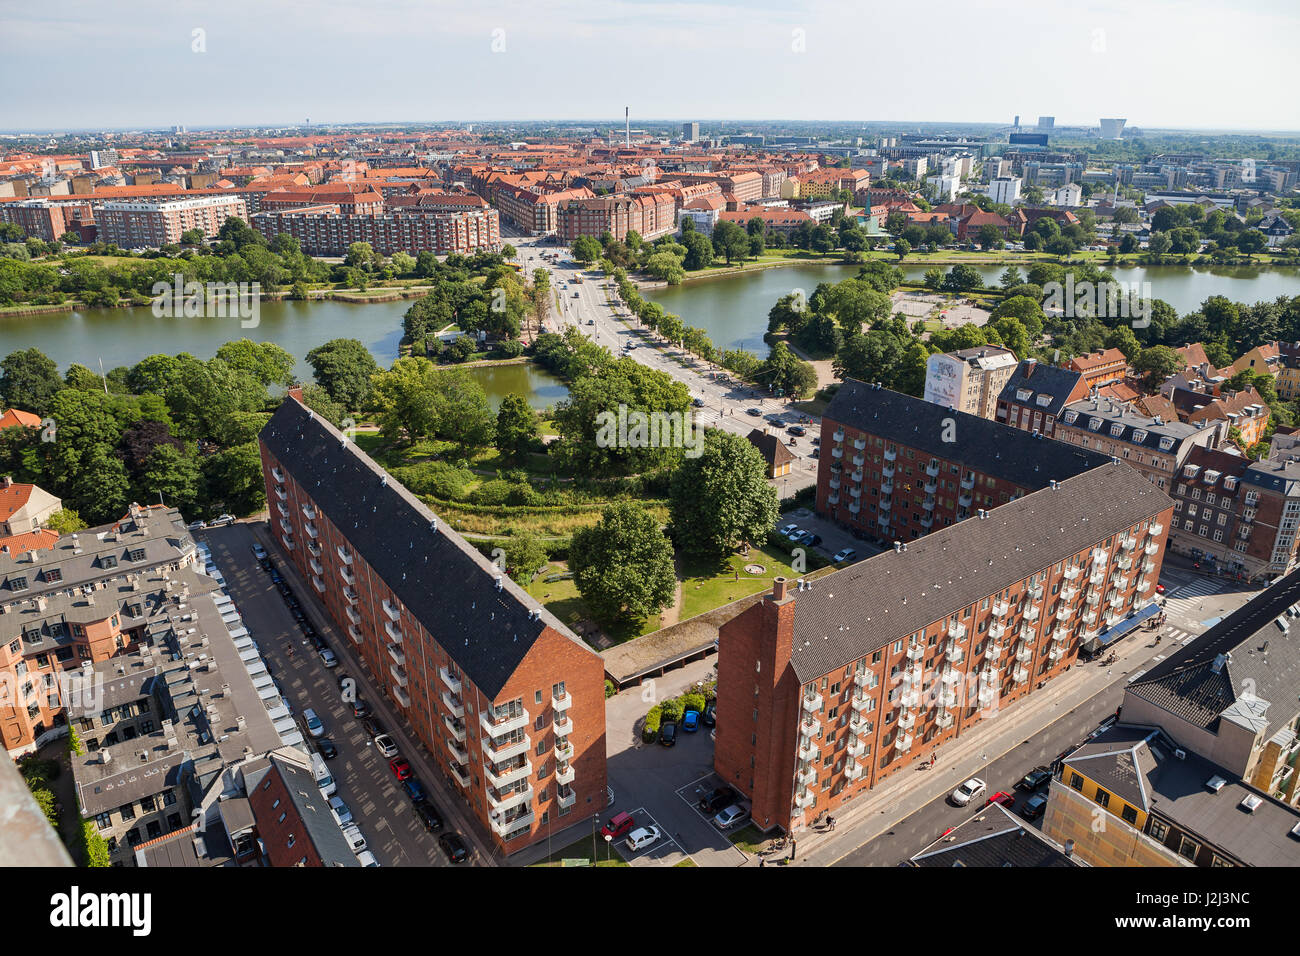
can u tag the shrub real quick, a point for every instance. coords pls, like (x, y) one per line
(650, 730)
(94, 849)
(610, 689)
(693, 701)
(511, 348)
(672, 709)
(45, 800)
(439, 479)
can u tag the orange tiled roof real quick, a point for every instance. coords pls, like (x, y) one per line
(16, 416)
(14, 498)
(41, 540)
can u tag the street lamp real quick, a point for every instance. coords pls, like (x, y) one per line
(608, 840)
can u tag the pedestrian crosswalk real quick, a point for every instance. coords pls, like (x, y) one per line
(1181, 600)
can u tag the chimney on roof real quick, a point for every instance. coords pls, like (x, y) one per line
(1030, 365)
(898, 546)
(7, 481)
(780, 586)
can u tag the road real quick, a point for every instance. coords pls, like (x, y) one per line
(595, 311)
(379, 806)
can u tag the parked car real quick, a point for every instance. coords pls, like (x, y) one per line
(811, 540)
(691, 721)
(196, 526)
(356, 839)
(366, 858)
(325, 747)
(710, 714)
(259, 552)
(697, 402)
(1003, 798)
(385, 745)
(642, 838)
(1038, 777)
(415, 790)
(730, 817)
(717, 801)
(668, 733)
(1034, 807)
(315, 726)
(795, 533)
(797, 430)
(786, 530)
(327, 657)
(967, 792)
(429, 816)
(845, 555)
(617, 825)
(401, 768)
(360, 708)
(454, 847)
(340, 810)
(756, 412)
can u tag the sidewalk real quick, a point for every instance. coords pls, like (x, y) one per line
(880, 809)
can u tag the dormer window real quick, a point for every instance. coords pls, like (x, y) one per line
(1024, 394)
(1191, 471)
(135, 554)
(108, 560)
(1044, 400)
(1116, 430)
(1166, 444)
(53, 574)
(18, 583)
(1139, 436)
(1070, 416)
(1230, 483)
(1094, 424)
(1211, 476)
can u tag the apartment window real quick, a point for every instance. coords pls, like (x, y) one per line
(276, 805)
(1129, 814)
(1076, 781)
(147, 804)
(1158, 831)
(1102, 797)
(104, 820)
(1220, 861)
(1188, 848)
(291, 841)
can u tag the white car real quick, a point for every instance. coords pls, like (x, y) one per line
(340, 810)
(386, 745)
(643, 837)
(847, 554)
(968, 791)
(356, 839)
(366, 858)
(259, 552)
(731, 816)
(315, 726)
(785, 531)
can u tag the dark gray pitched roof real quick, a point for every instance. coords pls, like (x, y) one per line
(862, 608)
(314, 810)
(984, 445)
(1262, 656)
(994, 838)
(1041, 379)
(773, 450)
(439, 577)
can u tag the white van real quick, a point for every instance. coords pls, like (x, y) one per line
(323, 778)
(366, 858)
(356, 839)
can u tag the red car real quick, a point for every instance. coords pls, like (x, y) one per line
(1160, 589)
(400, 767)
(619, 824)
(1002, 797)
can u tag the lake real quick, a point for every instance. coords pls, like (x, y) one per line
(124, 336)
(733, 309)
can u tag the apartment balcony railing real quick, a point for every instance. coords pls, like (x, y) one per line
(915, 652)
(283, 509)
(838, 435)
(392, 610)
(910, 697)
(810, 726)
(987, 694)
(809, 752)
(806, 776)
(907, 720)
(854, 769)
(450, 680)
(887, 471)
(1099, 556)
(347, 576)
(999, 608)
(891, 454)
(997, 630)
(944, 720)
(458, 753)
(354, 632)
(309, 512)
(927, 522)
(833, 483)
(954, 653)
(1064, 612)
(859, 443)
(461, 775)
(882, 520)
(932, 469)
(886, 504)
(1093, 598)
(454, 727)
(903, 743)
(393, 631)
(1032, 613)
(353, 615)
(287, 540)
(453, 705)
(277, 473)
(562, 725)
(812, 703)
(887, 487)
(951, 677)
(564, 775)
(1035, 592)
(833, 499)
(314, 548)
(318, 583)
(854, 507)
(310, 529)
(965, 501)
(399, 674)
(1148, 566)
(504, 826)
(351, 595)
(994, 651)
(1020, 675)
(497, 752)
(948, 698)
(1072, 573)
(867, 680)
(855, 475)
(837, 453)
(855, 493)
(504, 801)
(930, 487)
(282, 494)
(566, 797)
(495, 727)
(316, 566)
(562, 702)
(1056, 652)
(957, 631)
(1024, 653)
(401, 696)
(395, 652)
(505, 776)
(856, 748)
(1069, 593)
(858, 724)
(804, 799)
(1128, 543)
(344, 554)
(968, 482)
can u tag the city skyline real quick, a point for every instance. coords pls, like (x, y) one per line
(237, 75)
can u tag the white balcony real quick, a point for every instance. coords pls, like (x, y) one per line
(283, 509)
(833, 499)
(352, 614)
(454, 727)
(318, 584)
(951, 677)
(834, 484)
(887, 471)
(402, 697)
(1027, 632)
(564, 775)
(310, 529)
(563, 725)
(399, 674)
(1099, 556)
(1125, 563)
(859, 443)
(856, 475)
(1143, 585)
(954, 653)
(1056, 652)
(1032, 613)
(883, 521)
(1128, 543)
(393, 631)
(887, 487)
(948, 698)
(994, 651)
(394, 613)
(277, 473)
(907, 720)
(1089, 618)
(927, 522)
(930, 487)
(858, 724)
(910, 697)
(313, 548)
(854, 769)
(1064, 612)
(838, 436)
(287, 540)
(987, 695)
(891, 454)
(855, 507)
(806, 776)
(810, 727)
(503, 827)
(396, 654)
(450, 680)
(1155, 530)
(932, 469)
(856, 748)
(804, 799)
(351, 595)
(354, 632)
(858, 461)
(867, 680)
(809, 752)
(965, 501)
(997, 630)
(282, 495)
(957, 631)
(886, 504)
(1069, 593)
(459, 755)
(915, 652)
(944, 720)
(999, 609)
(968, 482)
(1072, 573)
(1093, 598)
(561, 703)
(1097, 577)
(1025, 653)
(497, 752)
(453, 705)
(1020, 675)
(1148, 566)
(346, 574)
(316, 566)
(462, 776)
(855, 493)
(1060, 634)
(812, 703)
(308, 512)
(563, 751)
(495, 727)
(837, 453)
(566, 797)
(903, 743)
(344, 554)
(502, 802)
(502, 778)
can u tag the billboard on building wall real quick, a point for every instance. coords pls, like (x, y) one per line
(943, 381)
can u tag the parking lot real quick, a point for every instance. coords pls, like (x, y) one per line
(379, 803)
(833, 536)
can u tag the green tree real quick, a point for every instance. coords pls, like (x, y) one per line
(731, 240)
(517, 426)
(722, 497)
(524, 556)
(265, 361)
(175, 476)
(1121, 337)
(65, 521)
(28, 380)
(343, 367)
(585, 249)
(699, 250)
(623, 565)
(1157, 363)
(901, 248)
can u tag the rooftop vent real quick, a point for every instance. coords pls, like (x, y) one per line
(1251, 802)
(1216, 783)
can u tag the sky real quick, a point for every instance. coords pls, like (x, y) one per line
(1189, 64)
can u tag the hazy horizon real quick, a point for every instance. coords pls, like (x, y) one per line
(159, 63)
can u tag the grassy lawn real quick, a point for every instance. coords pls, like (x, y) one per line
(581, 850)
(706, 587)
(562, 599)
(686, 862)
(747, 840)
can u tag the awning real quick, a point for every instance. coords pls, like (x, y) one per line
(1114, 633)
